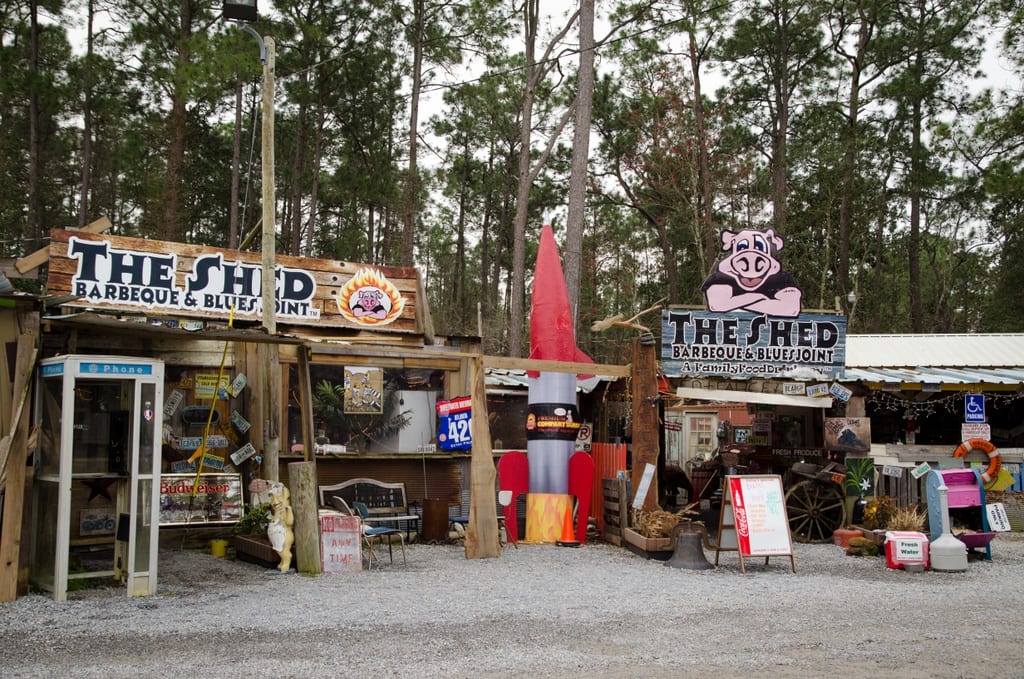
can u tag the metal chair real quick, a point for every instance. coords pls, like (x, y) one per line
(379, 532)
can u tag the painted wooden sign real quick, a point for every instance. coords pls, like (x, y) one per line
(753, 326)
(340, 547)
(134, 274)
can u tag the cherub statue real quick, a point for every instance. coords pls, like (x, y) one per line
(279, 530)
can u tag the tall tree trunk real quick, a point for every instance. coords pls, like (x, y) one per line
(35, 169)
(573, 257)
(317, 161)
(298, 160)
(411, 192)
(459, 283)
(236, 167)
(705, 202)
(177, 124)
(916, 178)
(851, 153)
(517, 290)
(780, 162)
(86, 174)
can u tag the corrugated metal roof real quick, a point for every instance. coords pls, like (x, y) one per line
(1004, 350)
(936, 359)
(933, 376)
(902, 359)
(498, 378)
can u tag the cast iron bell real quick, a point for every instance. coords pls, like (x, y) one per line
(689, 551)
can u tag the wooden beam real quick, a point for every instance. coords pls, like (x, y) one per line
(482, 539)
(305, 408)
(16, 468)
(646, 427)
(39, 257)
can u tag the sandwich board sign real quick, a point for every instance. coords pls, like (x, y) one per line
(753, 521)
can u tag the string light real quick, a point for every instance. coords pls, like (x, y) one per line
(953, 403)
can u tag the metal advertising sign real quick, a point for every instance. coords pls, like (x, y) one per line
(218, 499)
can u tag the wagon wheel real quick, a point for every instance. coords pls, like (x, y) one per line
(815, 510)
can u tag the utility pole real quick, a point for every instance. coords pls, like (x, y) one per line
(269, 360)
(269, 241)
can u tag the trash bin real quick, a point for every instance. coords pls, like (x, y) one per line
(435, 520)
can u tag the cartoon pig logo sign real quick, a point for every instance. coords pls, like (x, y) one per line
(750, 278)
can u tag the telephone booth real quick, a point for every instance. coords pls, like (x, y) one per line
(97, 465)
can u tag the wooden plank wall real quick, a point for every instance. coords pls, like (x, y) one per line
(909, 491)
(906, 490)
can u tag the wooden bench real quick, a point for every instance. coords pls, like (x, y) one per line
(385, 502)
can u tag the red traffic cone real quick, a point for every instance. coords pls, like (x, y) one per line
(568, 537)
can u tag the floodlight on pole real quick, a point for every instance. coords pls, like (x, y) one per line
(240, 10)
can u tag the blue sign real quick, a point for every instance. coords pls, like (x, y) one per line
(116, 369)
(974, 407)
(455, 432)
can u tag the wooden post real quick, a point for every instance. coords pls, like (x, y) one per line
(302, 485)
(482, 539)
(306, 405)
(269, 240)
(646, 428)
(270, 414)
(14, 493)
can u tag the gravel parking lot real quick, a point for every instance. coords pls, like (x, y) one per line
(539, 611)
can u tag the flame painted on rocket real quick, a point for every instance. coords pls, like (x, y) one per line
(553, 421)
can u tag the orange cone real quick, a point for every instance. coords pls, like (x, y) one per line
(568, 537)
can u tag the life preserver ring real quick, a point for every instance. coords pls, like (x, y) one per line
(994, 460)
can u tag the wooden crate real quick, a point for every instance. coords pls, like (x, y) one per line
(616, 509)
(649, 548)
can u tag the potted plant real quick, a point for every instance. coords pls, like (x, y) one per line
(250, 539)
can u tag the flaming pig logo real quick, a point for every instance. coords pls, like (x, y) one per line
(369, 298)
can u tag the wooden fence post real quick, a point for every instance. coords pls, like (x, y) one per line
(302, 485)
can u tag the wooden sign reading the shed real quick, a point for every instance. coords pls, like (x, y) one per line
(134, 274)
(753, 520)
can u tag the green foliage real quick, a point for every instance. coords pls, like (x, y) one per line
(255, 519)
(879, 512)
(344, 75)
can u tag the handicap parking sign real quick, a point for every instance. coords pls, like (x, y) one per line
(974, 407)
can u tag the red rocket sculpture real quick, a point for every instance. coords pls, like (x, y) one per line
(553, 420)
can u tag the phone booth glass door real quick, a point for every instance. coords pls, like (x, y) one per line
(98, 461)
